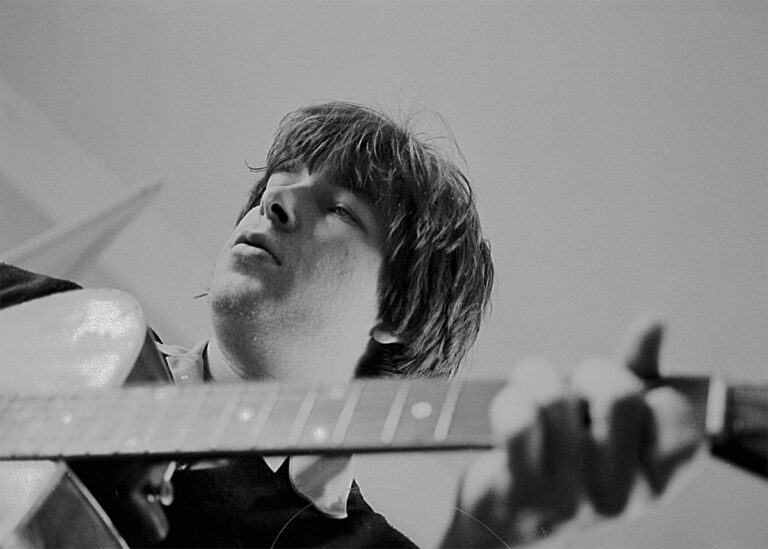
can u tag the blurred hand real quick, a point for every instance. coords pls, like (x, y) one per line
(573, 451)
(132, 492)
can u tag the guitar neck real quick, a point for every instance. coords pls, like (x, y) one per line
(364, 416)
(206, 419)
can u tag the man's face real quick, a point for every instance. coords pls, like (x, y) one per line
(294, 293)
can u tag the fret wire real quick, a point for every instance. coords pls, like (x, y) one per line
(210, 408)
(52, 408)
(301, 417)
(236, 393)
(73, 433)
(105, 416)
(11, 438)
(161, 401)
(260, 420)
(447, 411)
(7, 419)
(34, 431)
(130, 406)
(145, 421)
(186, 421)
(63, 435)
(345, 417)
(393, 418)
(166, 434)
(12, 430)
(5, 402)
(90, 427)
(50, 419)
(714, 421)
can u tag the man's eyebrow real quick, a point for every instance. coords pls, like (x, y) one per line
(289, 166)
(284, 172)
(361, 196)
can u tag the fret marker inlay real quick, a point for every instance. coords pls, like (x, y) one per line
(421, 410)
(246, 414)
(337, 392)
(320, 433)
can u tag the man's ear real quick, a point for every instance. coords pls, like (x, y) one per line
(381, 333)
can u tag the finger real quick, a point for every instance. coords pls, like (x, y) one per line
(544, 459)
(149, 524)
(643, 348)
(511, 413)
(674, 437)
(532, 385)
(562, 456)
(617, 416)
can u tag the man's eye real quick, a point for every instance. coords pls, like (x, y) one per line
(343, 213)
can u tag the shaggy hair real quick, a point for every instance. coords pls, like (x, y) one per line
(437, 271)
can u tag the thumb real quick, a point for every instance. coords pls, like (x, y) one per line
(642, 350)
(150, 524)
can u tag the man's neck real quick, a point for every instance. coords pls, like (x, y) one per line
(220, 367)
(303, 362)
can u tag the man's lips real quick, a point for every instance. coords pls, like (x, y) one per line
(260, 241)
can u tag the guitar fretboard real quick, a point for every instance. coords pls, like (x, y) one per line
(197, 420)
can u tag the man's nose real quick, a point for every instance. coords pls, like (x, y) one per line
(279, 206)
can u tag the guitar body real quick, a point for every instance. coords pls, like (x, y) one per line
(85, 339)
(38, 497)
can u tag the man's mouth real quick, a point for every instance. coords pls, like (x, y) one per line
(258, 241)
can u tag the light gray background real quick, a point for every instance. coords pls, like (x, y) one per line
(618, 151)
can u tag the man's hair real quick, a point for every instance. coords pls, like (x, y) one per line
(437, 273)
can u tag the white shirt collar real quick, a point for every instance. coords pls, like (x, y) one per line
(325, 481)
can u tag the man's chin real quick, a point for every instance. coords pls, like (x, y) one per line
(235, 293)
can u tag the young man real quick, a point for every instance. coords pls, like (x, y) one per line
(359, 253)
